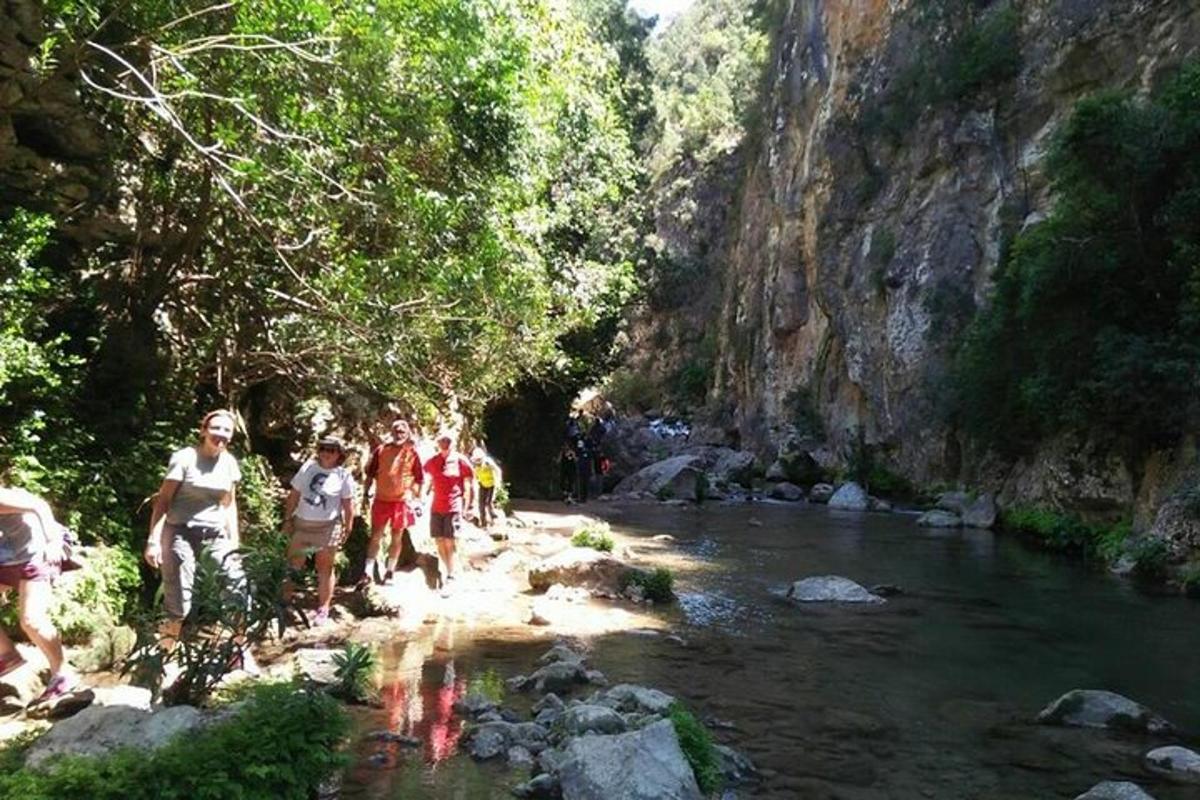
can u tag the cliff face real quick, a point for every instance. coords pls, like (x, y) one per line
(858, 255)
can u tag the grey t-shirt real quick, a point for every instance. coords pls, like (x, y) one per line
(21, 538)
(202, 483)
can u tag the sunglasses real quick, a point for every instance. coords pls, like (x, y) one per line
(327, 449)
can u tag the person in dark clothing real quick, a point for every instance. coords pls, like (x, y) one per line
(566, 471)
(583, 467)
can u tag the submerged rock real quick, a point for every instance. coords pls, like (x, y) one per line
(643, 765)
(850, 497)
(937, 518)
(830, 589)
(494, 739)
(735, 767)
(1115, 790)
(558, 677)
(1096, 708)
(1175, 763)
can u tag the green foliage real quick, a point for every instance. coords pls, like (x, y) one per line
(224, 622)
(657, 585)
(595, 535)
(1066, 533)
(706, 68)
(1189, 579)
(355, 668)
(1094, 323)
(489, 684)
(697, 745)
(96, 597)
(260, 497)
(631, 390)
(963, 48)
(282, 744)
(1149, 554)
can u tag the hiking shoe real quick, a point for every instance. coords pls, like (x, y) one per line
(60, 685)
(320, 618)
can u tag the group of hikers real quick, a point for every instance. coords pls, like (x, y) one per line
(195, 512)
(581, 458)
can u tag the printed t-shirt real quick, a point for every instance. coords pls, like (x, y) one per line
(203, 482)
(20, 539)
(449, 476)
(396, 469)
(322, 491)
(485, 473)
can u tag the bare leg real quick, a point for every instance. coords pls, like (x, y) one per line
(35, 600)
(445, 546)
(325, 558)
(295, 560)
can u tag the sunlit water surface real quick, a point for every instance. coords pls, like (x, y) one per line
(928, 696)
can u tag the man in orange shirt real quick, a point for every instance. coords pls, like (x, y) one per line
(395, 469)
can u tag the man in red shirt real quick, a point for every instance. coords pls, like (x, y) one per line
(395, 469)
(451, 482)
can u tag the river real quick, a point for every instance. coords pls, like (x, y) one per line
(930, 695)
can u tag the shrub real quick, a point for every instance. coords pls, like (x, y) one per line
(594, 535)
(487, 684)
(657, 585)
(96, 597)
(1189, 579)
(631, 390)
(697, 746)
(355, 668)
(282, 744)
(1066, 533)
(1149, 554)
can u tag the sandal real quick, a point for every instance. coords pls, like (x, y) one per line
(11, 663)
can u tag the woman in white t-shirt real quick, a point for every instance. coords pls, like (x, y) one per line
(319, 514)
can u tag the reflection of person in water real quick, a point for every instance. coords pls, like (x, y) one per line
(420, 702)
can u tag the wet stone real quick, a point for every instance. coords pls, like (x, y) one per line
(1175, 763)
(1096, 708)
(1115, 790)
(583, 719)
(541, 787)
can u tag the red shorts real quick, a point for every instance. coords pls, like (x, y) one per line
(397, 512)
(11, 575)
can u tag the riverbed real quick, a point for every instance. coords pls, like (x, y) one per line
(930, 695)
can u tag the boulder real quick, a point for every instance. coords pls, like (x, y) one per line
(820, 493)
(558, 677)
(540, 787)
(643, 765)
(776, 472)
(1115, 790)
(519, 757)
(830, 589)
(626, 698)
(981, 513)
(786, 491)
(586, 718)
(560, 653)
(849, 497)
(579, 566)
(954, 502)
(878, 504)
(1096, 708)
(101, 729)
(735, 767)
(474, 705)
(731, 466)
(675, 477)
(937, 518)
(316, 665)
(494, 739)
(1175, 763)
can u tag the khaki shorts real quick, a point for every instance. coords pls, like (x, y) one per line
(182, 548)
(316, 534)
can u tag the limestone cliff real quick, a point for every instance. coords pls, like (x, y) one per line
(856, 253)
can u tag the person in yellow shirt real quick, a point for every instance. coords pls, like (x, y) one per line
(487, 475)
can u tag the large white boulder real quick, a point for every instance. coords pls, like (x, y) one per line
(98, 730)
(647, 764)
(579, 566)
(850, 497)
(1175, 763)
(1097, 708)
(1115, 790)
(830, 589)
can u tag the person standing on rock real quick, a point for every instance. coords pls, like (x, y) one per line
(31, 548)
(487, 475)
(395, 469)
(195, 511)
(318, 515)
(451, 481)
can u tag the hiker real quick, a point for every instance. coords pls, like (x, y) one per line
(451, 480)
(395, 469)
(487, 475)
(583, 467)
(31, 548)
(566, 472)
(195, 512)
(318, 515)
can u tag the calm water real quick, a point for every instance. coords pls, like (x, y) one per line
(928, 696)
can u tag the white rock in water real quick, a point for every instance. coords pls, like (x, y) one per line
(1115, 790)
(939, 519)
(1175, 763)
(1096, 708)
(850, 497)
(643, 765)
(830, 589)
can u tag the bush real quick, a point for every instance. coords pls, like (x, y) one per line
(594, 535)
(1094, 322)
(355, 668)
(657, 585)
(1149, 554)
(1066, 533)
(1189, 579)
(631, 390)
(283, 744)
(487, 684)
(96, 597)
(697, 746)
